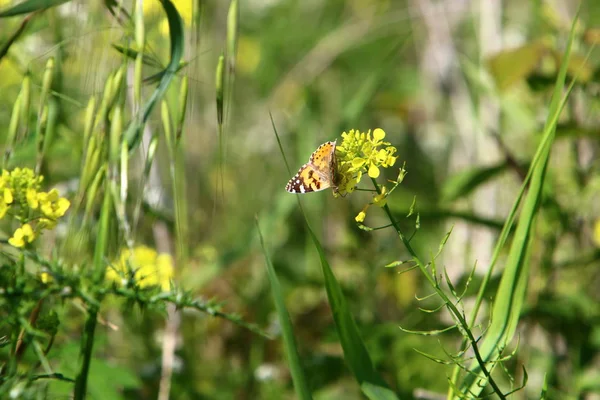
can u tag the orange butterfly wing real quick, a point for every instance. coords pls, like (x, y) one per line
(317, 174)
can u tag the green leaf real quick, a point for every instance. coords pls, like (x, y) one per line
(132, 54)
(465, 182)
(355, 351)
(287, 330)
(30, 6)
(512, 66)
(133, 132)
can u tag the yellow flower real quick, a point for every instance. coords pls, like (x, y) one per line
(22, 235)
(373, 171)
(32, 198)
(597, 233)
(361, 216)
(164, 266)
(45, 277)
(362, 152)
(144, 266)
(20, 193)
(52, 205)
(8, 196)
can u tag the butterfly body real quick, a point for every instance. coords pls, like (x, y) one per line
(318, 173)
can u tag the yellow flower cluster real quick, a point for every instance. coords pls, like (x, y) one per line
(144, 266)
(362, 152)
(20, 196)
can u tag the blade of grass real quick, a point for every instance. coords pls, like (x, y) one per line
(355, 352)
(289, 340)
(511, 292)
(132, 134)
(30, 6)
(13, 38)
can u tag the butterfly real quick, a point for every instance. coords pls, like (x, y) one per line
(318, 173)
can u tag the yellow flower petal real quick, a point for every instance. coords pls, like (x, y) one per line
(358, 162)
(378, 134)
(22, 235)
(360, 217)
(32, 198)
(382, 155)
(28, 231)
(373, 171)
(8, 196)
(45, 277)
(17, 240)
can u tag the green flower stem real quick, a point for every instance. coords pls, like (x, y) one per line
(87, 339)
(87, 343)
(455, 312)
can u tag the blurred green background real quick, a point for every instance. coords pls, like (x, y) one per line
(460, 87)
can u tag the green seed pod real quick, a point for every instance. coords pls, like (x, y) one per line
(88, 120)
(13, 127)
(220, 83)
(183, 95)
(25, 102)
(232, 34)
(116, 132)
(165, 115)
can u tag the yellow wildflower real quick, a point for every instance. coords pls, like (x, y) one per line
(52, 205)
(164, 266)
(45, 277)
(362, 152)
(20, 194)
(8, 196)
(32, 198)
(22, 236)
(596, 236)
(144, 266)
(361, 216)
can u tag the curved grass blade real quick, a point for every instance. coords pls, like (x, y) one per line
(30, 6)
(15, 36)
(511, 292)
(289, 341)
(133, 54)
(132, 134)
(355, 351)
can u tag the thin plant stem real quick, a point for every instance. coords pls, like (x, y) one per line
(455, 312)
